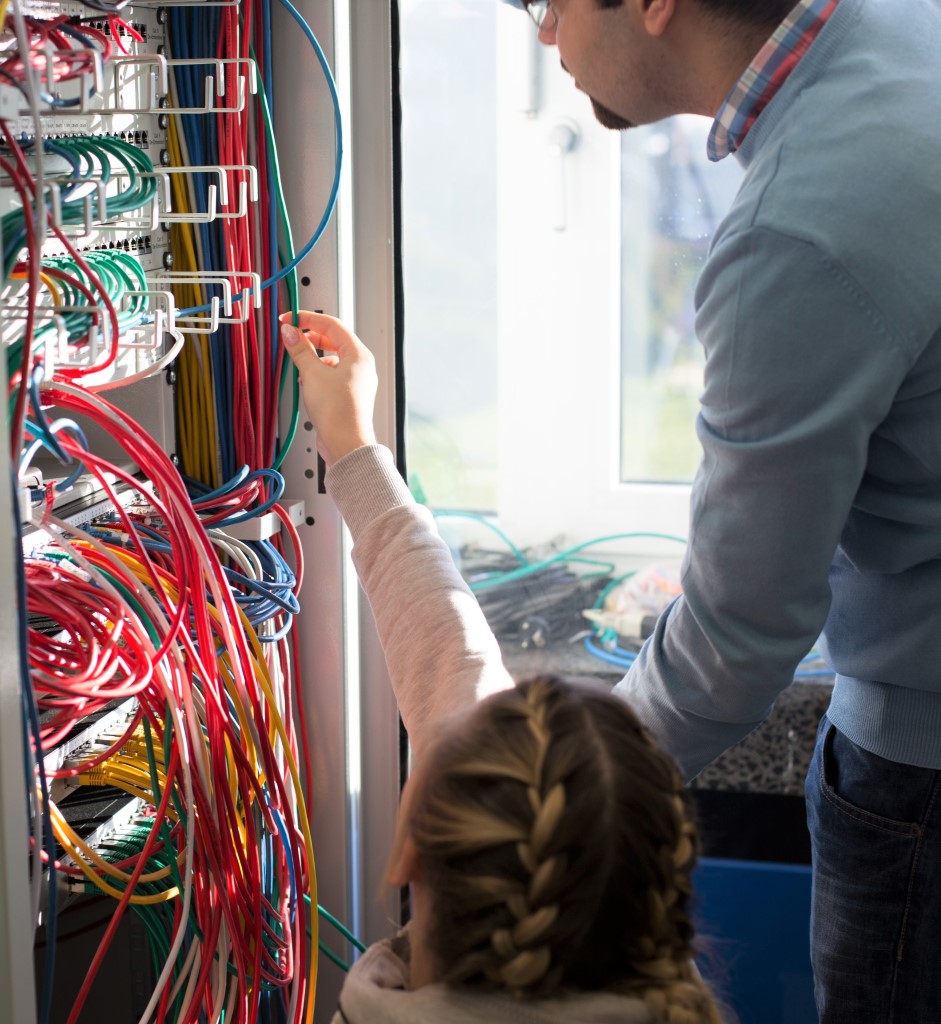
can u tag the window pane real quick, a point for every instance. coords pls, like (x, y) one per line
(449, 238)
(672, 199)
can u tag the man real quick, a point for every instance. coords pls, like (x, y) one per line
(817, 507)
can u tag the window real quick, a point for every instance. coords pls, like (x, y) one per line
(450, 239)
(526, 263)
(671, 202)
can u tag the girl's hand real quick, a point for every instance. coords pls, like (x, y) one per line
(339, 387)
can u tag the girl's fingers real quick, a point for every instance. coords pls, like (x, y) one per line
(322, 341)
(326, 332)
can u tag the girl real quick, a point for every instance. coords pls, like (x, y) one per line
(544, 837)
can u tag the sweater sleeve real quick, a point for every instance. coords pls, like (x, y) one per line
(439, 649)
(800, 371)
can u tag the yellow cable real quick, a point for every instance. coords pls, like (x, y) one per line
(47, 279)
(138, 569)
(278, 730)
(197, 396)
(73, 843)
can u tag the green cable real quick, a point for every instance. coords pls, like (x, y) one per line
(118, 274)
(527, 570)
(295, 415)
(330, 955)
(290, 278)
(96, 152)
(600, 599)
(604, 568)
(167, 744)
(157, 919)
(454, 513)
(93, 155)
(340, 927)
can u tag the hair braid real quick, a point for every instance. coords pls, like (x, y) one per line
(666, 977)
(557, 849)
(524, 958)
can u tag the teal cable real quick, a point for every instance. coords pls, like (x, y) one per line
(527, 570)
(330, 955)
(341, 928)
(454, 513)
(290, 277)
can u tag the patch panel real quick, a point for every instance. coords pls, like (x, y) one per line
(160, 564)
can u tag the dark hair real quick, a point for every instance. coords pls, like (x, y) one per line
(557, 849)
(766, 13)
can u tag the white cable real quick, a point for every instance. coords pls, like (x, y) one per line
(35, 884)
(32, 97)
(174, 661)
(189, 727)
(190, 974)
(221, 982)
(151, 371)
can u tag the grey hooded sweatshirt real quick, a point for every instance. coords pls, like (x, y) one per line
(376, 992)
(416, 593)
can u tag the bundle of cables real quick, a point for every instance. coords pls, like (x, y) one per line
(231, 384)
(535, 598)
(60, 49)
(541, 608)
(144, 609)
(90, 162)
(162, 606)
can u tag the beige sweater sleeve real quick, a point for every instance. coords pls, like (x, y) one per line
(440, 651)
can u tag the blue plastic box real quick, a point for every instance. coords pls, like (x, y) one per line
(753, 920)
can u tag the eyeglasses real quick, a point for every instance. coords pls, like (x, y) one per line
(542, 12)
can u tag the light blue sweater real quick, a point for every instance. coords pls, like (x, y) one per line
(817, 506)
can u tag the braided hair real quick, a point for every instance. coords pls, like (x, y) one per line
(557, 850)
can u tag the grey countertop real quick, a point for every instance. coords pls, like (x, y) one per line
(771, 759)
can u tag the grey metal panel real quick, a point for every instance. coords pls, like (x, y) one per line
(342, 666)
(353, 717)
(373, 286)
(304, 128)
(17, 998)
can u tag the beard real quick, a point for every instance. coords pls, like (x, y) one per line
(605, 115)
(608, 119)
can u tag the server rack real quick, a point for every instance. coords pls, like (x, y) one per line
(352, 718)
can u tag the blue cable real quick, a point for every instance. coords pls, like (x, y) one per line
(268, 597)
(286, 839)
(276, 492)
(45, 434)
(619, 657)
(43, 441)
(335, 188)
(204, 493)
(273, 325)
(279, 635)
(194, 32)
(264, 857)
(265, 601)
(35, 379)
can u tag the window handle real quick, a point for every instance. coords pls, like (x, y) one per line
(562, 140)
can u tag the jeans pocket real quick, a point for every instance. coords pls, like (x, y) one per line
(859, 785)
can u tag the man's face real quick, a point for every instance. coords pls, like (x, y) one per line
(612, 59)
(607, 118)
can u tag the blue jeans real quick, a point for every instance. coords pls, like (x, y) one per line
(875, 829)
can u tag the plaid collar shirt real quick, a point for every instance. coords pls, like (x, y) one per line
(766, 74)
